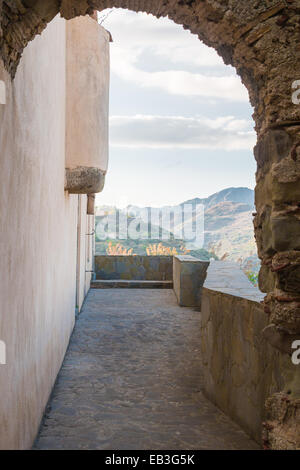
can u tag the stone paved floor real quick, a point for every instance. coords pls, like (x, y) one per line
(131, 379)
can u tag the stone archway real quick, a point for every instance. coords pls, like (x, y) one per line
(261, 39)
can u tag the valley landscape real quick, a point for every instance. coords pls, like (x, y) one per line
(228, 230)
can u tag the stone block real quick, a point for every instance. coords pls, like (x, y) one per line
(189, 275)
(282, 228)
(272, 147)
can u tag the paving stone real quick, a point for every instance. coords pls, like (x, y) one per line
(131, 379)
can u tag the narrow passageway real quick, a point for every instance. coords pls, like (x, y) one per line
(131, 379)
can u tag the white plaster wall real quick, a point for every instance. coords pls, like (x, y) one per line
(88, 94)
(85, 247)
(89, 250)
(38, 236)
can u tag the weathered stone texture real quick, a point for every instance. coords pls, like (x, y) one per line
(21, 21)
(281, 430)
(70, 9)
(240, 368)
(277, 225)
(84, 180)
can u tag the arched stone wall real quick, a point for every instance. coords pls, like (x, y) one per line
(261, 39)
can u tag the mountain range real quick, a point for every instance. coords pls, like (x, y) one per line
(228, 227)
(235, 195)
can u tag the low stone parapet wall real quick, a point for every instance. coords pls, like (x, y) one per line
(140, 268)
(240, 368)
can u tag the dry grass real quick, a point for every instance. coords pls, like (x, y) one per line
(118, 249)
(161, 250)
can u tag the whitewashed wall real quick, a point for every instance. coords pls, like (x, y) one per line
(38, 236)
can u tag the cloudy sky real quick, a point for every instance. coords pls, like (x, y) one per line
(180, 120)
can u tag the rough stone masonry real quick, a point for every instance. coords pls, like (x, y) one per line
(261, 39)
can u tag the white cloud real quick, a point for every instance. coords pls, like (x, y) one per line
(149, 131)
(138, 30)
(135, 34)
(178, 82)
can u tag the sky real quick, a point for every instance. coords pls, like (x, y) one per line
(180, 120)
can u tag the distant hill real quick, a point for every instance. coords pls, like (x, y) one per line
(237, 195)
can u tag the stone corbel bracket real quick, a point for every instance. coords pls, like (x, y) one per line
(84, 180)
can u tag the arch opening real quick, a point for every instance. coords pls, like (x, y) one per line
(180, 130)
(261, 40)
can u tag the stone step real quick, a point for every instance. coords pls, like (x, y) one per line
(128, 284)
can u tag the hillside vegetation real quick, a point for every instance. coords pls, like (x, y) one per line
(228, 230)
